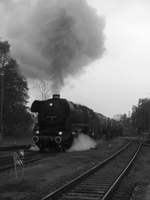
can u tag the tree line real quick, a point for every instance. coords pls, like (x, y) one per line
(138, 123)
(15, 116)
(141, 116)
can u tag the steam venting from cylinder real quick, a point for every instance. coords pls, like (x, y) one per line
(82, 142)
(52, 39)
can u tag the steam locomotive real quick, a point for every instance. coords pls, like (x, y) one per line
(60, 120)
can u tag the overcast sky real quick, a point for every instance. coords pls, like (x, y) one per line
(113, 84)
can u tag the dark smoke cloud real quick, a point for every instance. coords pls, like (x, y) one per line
(53, 39)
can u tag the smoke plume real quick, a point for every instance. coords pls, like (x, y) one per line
(81, 143)
(52, 39)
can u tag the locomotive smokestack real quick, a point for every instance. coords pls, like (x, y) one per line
(56, 96)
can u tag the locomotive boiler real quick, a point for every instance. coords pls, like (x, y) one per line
(60, 120)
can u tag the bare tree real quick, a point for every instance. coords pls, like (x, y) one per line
(44, 88)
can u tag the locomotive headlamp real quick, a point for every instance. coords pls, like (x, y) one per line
(60, 133)
(51, 104)
(37, 132)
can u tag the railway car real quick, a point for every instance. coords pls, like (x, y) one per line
(59, 121)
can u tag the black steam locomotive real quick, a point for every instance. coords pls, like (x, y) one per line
(59, 121)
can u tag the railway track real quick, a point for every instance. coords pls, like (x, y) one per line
(7, 161)
(101, 181)
(147, 143)
(14, 147)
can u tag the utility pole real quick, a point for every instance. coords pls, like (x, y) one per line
(1, 101)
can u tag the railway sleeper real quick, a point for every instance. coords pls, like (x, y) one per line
(87, 190)
(76, 193)
(70, 197)
(77, 198)
(97, 187)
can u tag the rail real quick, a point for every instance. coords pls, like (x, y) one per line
(78, 179)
